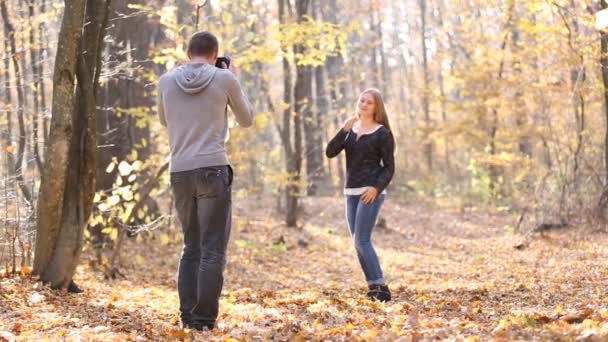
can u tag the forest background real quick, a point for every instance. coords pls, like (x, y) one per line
(498, 109)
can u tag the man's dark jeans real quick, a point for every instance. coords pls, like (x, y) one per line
(204, 208)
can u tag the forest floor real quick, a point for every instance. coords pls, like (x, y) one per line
(456, 273)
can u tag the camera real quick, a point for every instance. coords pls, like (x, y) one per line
(220, 60)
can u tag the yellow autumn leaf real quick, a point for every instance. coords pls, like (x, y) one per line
(137, 165)
(164, 239)
(110, 167)
(113, 200)
(114, 234)
(124, 168)
(370, 335)
(25, 271)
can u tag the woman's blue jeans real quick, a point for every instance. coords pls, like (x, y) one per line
(361, 219)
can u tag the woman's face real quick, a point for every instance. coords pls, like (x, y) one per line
(366, 105)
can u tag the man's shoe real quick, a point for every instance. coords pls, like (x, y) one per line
(73, 288)
(379, 292)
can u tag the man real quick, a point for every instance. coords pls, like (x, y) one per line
(192, 102)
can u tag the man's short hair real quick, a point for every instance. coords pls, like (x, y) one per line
(202, 43)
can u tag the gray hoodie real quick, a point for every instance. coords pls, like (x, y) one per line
(192, 101)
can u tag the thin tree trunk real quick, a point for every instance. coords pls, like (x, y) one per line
(310, 120)
(383, 73)
(42, 52)
(603, 201)
(442, 93)
(577, 76)
(336, 83)
(402, 63)
(8, 98)
(321, 126)
(35, 62)
(521, 118)
(373, 66)
(16, 161)
(304, 116)
(302, 111)
(120, 135)
(291, 187)
(494, 124)
(604, 66)
(428, 146)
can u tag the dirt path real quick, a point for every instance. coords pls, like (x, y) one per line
(454, 274)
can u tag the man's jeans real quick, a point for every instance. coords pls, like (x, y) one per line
(361, 220)
(204, 208)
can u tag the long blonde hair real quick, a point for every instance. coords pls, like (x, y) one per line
(380, 115)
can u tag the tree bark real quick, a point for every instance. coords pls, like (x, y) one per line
(494, 124)
(577, 76)
(292, 160)
(604, 67)
(336, 83)
(35, 62)
(442, 93)
(521, 118)
(15, 161)
(322, 106)
(68, 182)
(119, 134)
(304, 115)
(378, 56)
(427, 146)
(373, 51)
(41, 53)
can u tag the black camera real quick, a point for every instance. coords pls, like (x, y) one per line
(220, 60)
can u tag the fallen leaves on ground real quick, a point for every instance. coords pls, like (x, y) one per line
(454, 275)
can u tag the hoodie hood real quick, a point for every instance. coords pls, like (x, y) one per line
(193, 78)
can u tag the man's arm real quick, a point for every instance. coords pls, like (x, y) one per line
(240, 105)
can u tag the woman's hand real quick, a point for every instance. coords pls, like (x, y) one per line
(370, 195)
(348, 124)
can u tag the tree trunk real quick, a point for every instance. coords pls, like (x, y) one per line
(577, 77)
(321, 127)
(15, 161)
(119, 134)
(428, 146)
(68, 181)
(35, 62)
(42, 52)
(494, 125)
(521, 118)
(442, 93)
(381, 71)
(8, 98)
(337, 84)
(292, 160)
(603, 200)
(373, 52)
(304, 115)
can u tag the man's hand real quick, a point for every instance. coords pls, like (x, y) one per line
(232, 67)
(370, 195)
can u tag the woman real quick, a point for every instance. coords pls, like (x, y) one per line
(369, 146)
